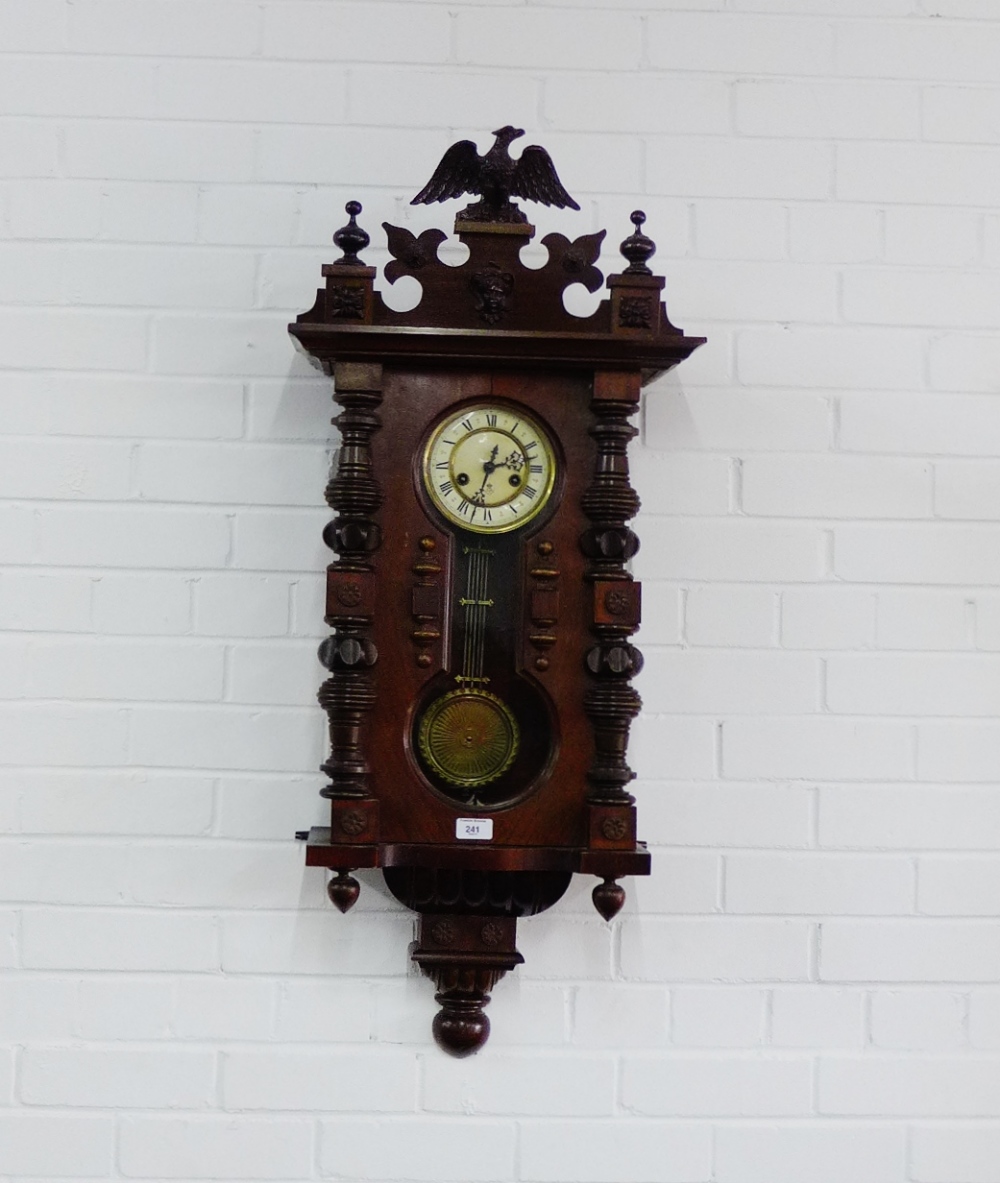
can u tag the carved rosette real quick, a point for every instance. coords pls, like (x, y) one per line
(609, 502)
(349, 653)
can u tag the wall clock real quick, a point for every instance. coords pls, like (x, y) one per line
(480, 601)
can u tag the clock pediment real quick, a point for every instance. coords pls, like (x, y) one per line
(492, 308)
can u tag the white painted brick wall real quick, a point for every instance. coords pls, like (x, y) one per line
(808, 989)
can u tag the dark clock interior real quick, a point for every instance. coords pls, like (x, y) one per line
(485, 731)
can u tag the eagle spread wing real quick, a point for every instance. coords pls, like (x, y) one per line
(535, 179)
(457, 173)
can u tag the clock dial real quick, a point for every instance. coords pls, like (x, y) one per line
(489, 468)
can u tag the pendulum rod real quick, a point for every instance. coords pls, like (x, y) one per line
(476, 603)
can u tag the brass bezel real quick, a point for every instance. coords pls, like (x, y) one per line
(489, 528)
(434, 710)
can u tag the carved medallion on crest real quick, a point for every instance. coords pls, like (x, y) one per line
(492, 290)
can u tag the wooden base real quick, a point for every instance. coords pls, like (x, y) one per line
(465, 956)
(468, 902)
(322, 852)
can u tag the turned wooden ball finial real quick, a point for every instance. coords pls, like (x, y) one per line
(461, 1027)
(638, 248)
(351, 238)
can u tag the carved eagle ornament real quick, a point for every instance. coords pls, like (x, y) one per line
(496, 177)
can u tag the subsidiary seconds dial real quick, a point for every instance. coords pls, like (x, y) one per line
(489, 468)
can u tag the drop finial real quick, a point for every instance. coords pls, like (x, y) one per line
(351, 238)
(343, 890)
(638, 248)
(608, 898)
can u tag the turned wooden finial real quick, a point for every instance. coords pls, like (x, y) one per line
(638, 248)
(351, 238)
(461, 1026)
(343, 891)
(608, 898)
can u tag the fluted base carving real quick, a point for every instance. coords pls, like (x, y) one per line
(465, 956)
(461, 1026)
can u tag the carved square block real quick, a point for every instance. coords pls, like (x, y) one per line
(612, 827)
(357, 375)
(617, 386)
(426, 603)
(354, 821)
(544, 606)
(618, 602)
(349, 294)
(348, 593)
(635, 305)
(447, 933)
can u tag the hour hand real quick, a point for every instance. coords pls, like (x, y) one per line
(515, 461)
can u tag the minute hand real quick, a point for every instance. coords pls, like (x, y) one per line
(489, 466)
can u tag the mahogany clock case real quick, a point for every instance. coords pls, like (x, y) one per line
(479, 696)
(411, 809)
